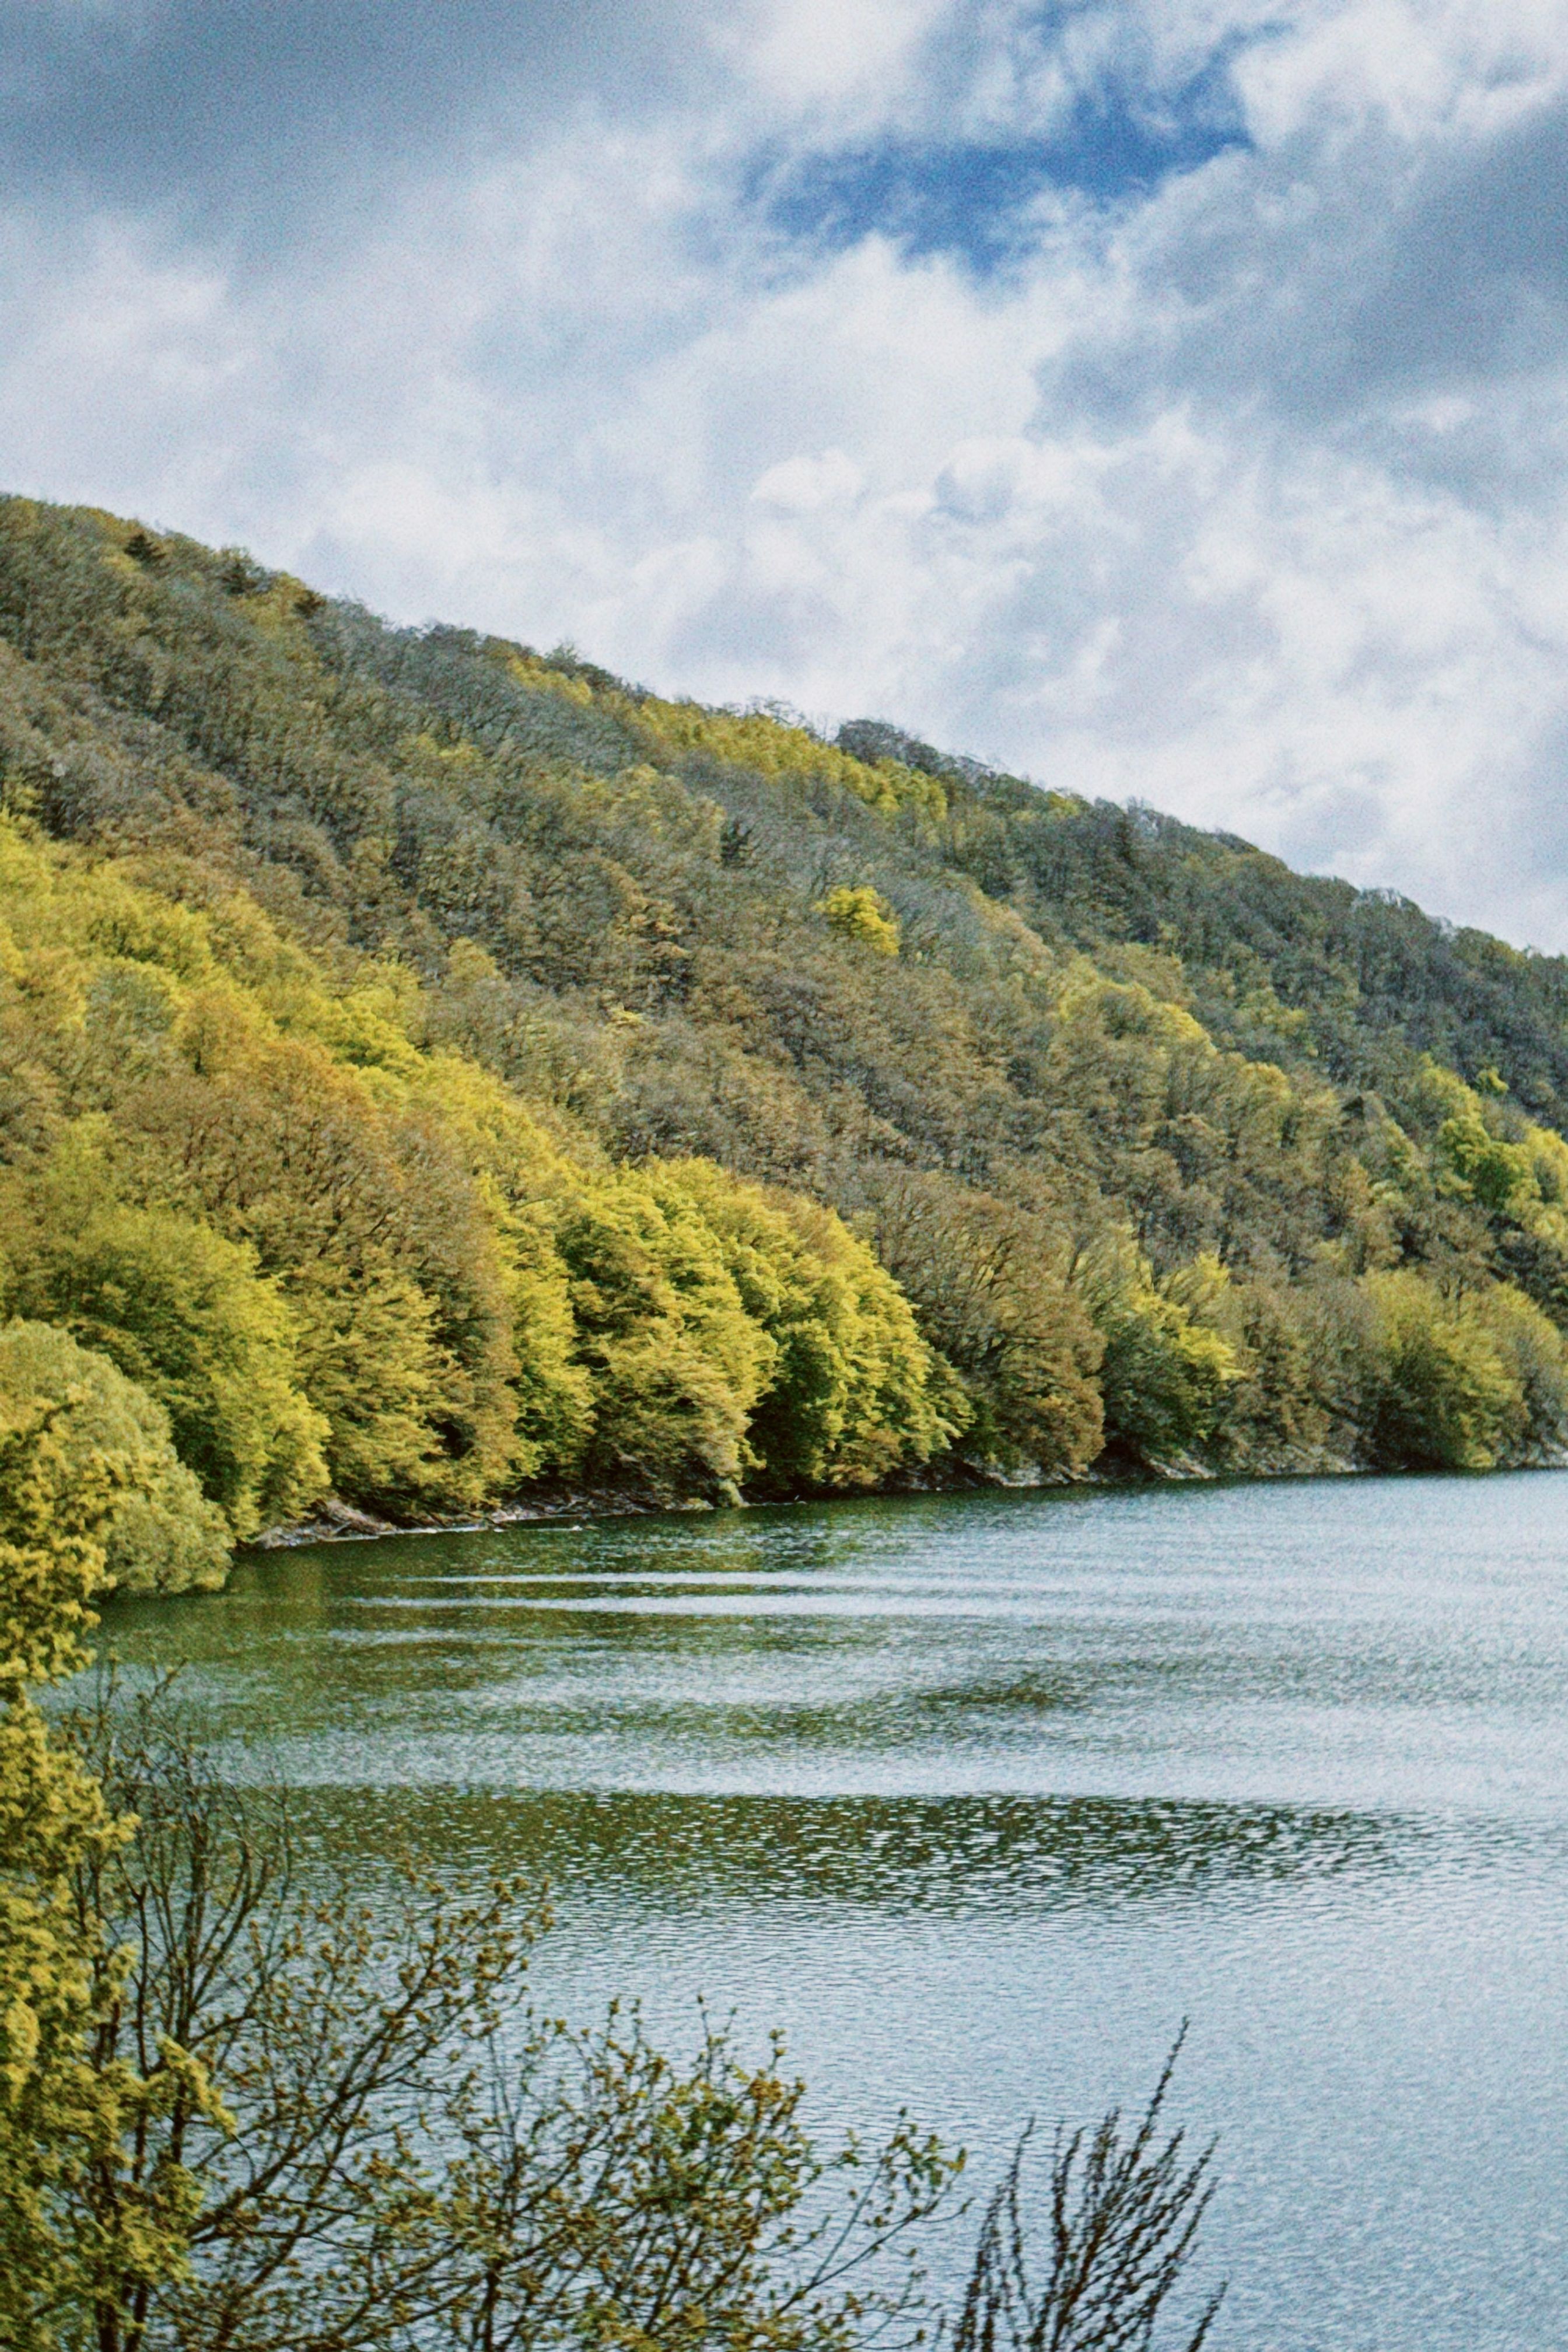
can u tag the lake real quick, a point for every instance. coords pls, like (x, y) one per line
(979, 1796)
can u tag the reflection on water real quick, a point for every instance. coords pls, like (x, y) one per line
(979, 1796)
(955, 1856)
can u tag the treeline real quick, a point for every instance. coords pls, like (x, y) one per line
(1368, 981)
(245, 1212)
(430, 1069)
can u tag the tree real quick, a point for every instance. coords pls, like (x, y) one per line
(161, 1534)
(276, 878)
(64, 2118)
(986, 1277)
(674, 1361)
(183, 1311)
(380, 2145)
(1442, 1395)
(863, 916)
(854, 1393)
(1166, 1372)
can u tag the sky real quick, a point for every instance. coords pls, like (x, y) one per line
(1167, 400)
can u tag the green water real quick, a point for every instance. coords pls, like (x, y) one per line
(977, 1797)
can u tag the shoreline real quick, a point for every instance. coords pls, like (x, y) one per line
(337, 1522)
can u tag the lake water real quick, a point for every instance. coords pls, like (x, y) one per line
(978, 1797)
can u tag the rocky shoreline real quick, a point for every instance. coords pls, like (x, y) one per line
(333, 1521)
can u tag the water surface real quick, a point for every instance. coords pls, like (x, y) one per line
(977, 1797)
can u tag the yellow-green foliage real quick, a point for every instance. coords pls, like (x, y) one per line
(1136, 1118)
(335, 1254)
(1166, 1369)
(777, 747)
(56, 1500)
(1462, 1384)
(71, 1455)
(1536, 1361)
(1501, 1176)
(676, 1364)
(522, 1177)
(850, 1394)
(161, 1535)
(543, 676)
(1515, 1171)
(863, 915)
(1444, 1397)
(184, 1313)
(988, 1278)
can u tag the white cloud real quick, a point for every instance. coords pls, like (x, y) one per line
(807, 485)
(832, 54)
(1245, 499)
(1418, 69)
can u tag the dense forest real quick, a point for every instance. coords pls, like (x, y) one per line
(434, 1072)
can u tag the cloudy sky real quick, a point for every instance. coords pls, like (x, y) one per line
(1166, 398)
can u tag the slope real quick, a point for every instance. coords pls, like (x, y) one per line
(1179, 1159)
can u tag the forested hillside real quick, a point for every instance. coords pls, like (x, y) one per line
(431, 1070)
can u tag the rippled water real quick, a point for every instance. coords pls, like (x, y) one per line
(977, 1797)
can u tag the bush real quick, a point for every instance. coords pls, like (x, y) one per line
(560, 2188)
(258, 2185)
(72, 1447)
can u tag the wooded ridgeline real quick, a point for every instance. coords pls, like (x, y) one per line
(432, 1070)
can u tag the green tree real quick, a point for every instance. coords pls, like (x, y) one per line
(853, 1393)
(184, 1313)
(863, 916)
(986, 1276)
(362, 1216)
(161, 1534)
(65, 2116)
(1443, 1393)
(1498, 1174)
(675, 1363)
(1536, 1360)
(633, 913)
(1166, 1373)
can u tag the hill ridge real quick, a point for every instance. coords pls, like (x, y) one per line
(713, 1107)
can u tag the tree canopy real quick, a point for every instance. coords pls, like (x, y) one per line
(432, 1068)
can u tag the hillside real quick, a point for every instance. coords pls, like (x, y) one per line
(432, 1070)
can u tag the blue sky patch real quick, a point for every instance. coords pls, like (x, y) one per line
(972, 198)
